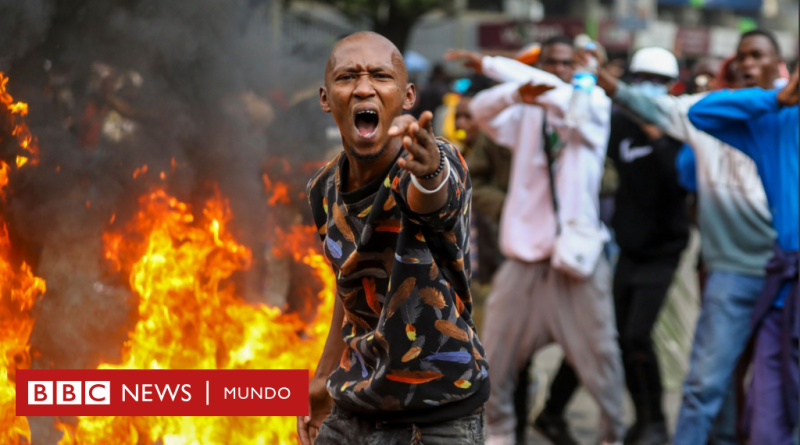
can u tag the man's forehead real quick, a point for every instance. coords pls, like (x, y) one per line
(361, 58)
(364, 53)
(755, 41)
(561, 50)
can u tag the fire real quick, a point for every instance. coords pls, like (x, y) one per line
(278, 191)
(191, 318)
(19, 289)
(139, 171)
(16, 111)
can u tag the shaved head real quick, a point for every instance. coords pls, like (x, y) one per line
(373, 40)
(366, 88)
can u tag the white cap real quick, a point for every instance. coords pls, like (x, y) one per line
(655, 60)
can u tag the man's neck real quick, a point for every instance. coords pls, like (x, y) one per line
(361, 172)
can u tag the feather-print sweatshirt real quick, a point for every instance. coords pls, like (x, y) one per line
(412, 354)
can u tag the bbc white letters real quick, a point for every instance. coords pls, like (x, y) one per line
(69, 392)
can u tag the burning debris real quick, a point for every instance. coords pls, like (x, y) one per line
(19, 288)
(191, 318)
(14, 114)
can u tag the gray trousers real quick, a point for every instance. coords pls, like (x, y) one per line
(533, 305)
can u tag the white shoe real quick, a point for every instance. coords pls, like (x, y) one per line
(500, 439)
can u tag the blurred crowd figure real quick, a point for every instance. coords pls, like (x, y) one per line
(723, 157)
(531, 303)
(652, 229)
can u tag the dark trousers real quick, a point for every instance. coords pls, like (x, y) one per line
(640, 288)
(521, 403)
(769, 419)
(345, 428)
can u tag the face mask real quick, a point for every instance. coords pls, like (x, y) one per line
(651, 89)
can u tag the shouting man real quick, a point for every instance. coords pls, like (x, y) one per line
(402, 363)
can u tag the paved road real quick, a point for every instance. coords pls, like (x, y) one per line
(583, 413)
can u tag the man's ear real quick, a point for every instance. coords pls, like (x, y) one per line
(323, 99)
(411, 97)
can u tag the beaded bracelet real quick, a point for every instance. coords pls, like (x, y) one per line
(441, 185)
(438, 170)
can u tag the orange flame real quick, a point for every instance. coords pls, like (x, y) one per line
(19, 291)
(140, 171)
(279, 191)
(16, 111)
(191, 318)
(19, 288)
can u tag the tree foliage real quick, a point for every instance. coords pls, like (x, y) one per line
(377, 11)
(392, 18)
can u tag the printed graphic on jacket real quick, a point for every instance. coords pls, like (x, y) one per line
(403, 279)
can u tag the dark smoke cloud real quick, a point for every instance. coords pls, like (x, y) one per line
(22, 26)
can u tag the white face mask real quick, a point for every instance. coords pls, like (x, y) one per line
(651, 89)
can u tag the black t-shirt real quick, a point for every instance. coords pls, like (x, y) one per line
(413, 354)
(651, 216)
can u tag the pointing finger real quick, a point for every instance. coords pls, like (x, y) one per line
(400, 125)
(426, 121)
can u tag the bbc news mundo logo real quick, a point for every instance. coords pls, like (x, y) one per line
(69, 393)
(164, 392)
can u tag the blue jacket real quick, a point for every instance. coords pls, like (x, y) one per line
(754, 122)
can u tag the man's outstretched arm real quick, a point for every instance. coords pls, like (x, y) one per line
(667, 112)
(503, 69)
(726, 115)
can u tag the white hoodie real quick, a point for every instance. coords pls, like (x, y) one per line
(528, 224)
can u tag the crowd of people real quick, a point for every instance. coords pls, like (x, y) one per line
(579, 218)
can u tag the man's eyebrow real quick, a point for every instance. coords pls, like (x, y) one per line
(371, 69)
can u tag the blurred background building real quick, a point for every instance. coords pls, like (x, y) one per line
(690, 28)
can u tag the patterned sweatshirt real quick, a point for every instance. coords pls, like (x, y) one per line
(412, 354)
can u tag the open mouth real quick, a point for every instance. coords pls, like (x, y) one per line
(749, 79)
(366, 122)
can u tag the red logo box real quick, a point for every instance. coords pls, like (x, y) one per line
(167, 392)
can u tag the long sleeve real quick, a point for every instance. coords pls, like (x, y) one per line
(508, 70)
(669, 113)
(593, 134)
(726, 115)
(487, 107)
(503, 69)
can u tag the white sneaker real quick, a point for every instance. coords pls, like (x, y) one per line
(500, 439)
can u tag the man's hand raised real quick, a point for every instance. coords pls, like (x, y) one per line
(605, 80)
(471, 60)
(788, 96)
(418, 140)
(424, 196)
(529, 93)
